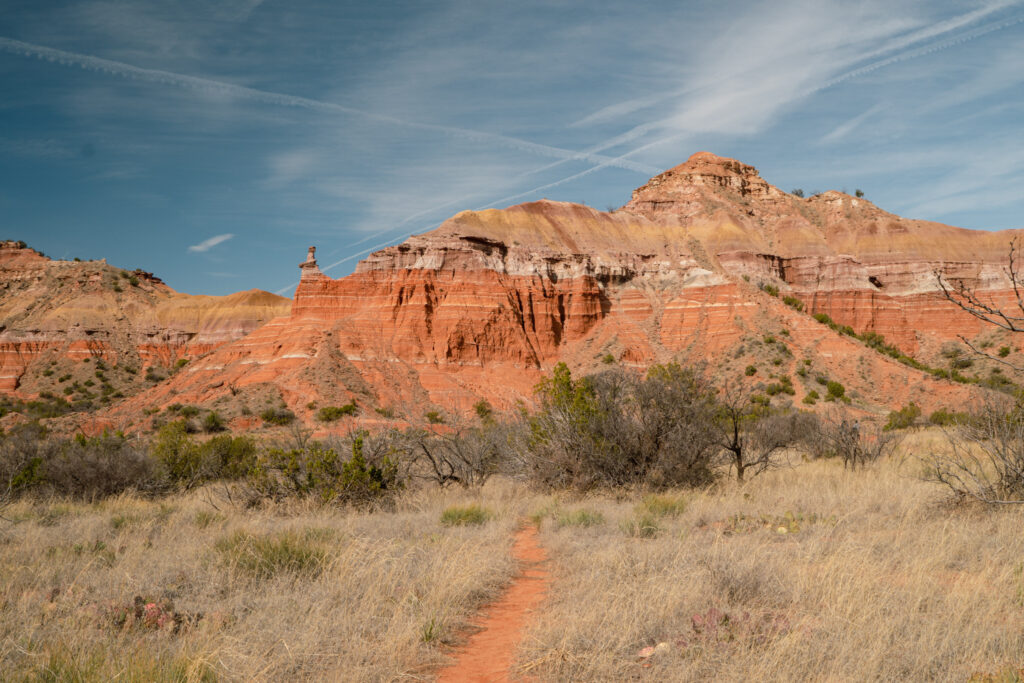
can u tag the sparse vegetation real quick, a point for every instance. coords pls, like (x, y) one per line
(904, 417)
(462, 515)
(736, 567)
(332, 413)
(835, 390)
(793, 303)
(277, 416)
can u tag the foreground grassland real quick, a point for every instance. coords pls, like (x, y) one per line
(284, 594)
(809, 572)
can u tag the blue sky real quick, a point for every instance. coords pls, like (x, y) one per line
(212, 142)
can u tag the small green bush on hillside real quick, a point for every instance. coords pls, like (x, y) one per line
(332, 413)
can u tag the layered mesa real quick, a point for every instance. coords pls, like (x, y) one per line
(485, 305)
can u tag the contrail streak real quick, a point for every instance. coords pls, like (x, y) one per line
(919, 52)
(643, 129)
(209, 85)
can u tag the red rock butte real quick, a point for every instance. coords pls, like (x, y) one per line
(55, 314)
(486, 304)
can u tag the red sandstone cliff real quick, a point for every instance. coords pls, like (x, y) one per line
(486, 304)
(56, 314)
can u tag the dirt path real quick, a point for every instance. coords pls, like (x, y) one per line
(488, 654)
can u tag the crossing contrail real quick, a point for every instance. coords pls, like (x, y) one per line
(159, 76)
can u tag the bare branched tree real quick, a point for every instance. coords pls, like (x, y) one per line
(751, 436)
(968, 299)
(856, 443)
(986, 462)
(467, 456)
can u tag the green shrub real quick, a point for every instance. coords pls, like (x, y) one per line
(318, 472)
(483, 410)
(277, 416)
(944, 418)
(463, 515)
(187, 463)
(835, 390)
(332, 413)
(213, 423)
(179, 455)
(227, 457)
(608, 359)
(188, 411)
(587, 432)
(771, 290)
(783, 386)
(266, 556)
(904, 417)
(434, 417)
(750, 371)
(823, 318)
(793, 302)
(1004, 351)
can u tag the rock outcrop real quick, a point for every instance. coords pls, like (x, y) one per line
(485, 305)
(56, 314)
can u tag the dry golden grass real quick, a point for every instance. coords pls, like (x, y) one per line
(824, 574)
(805, 573)
(315, 594)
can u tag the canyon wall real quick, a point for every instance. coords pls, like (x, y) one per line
(56, 315)
(485, 305)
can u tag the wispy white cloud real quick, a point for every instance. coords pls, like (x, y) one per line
(215, 87)
(292, 165)
(847, 127)
(210, 243)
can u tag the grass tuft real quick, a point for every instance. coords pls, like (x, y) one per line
(462, 515)
(643, 525)
(267, 556)
(662, 505)
(581, 517)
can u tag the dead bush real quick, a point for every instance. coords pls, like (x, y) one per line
(33, 461)
(856, 442)
(985, 461)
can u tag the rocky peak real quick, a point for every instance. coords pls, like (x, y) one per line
(682, 192)
(18, 251)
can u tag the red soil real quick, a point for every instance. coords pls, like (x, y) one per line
(488, 655)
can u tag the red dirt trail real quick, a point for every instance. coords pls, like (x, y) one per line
(487, 657)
